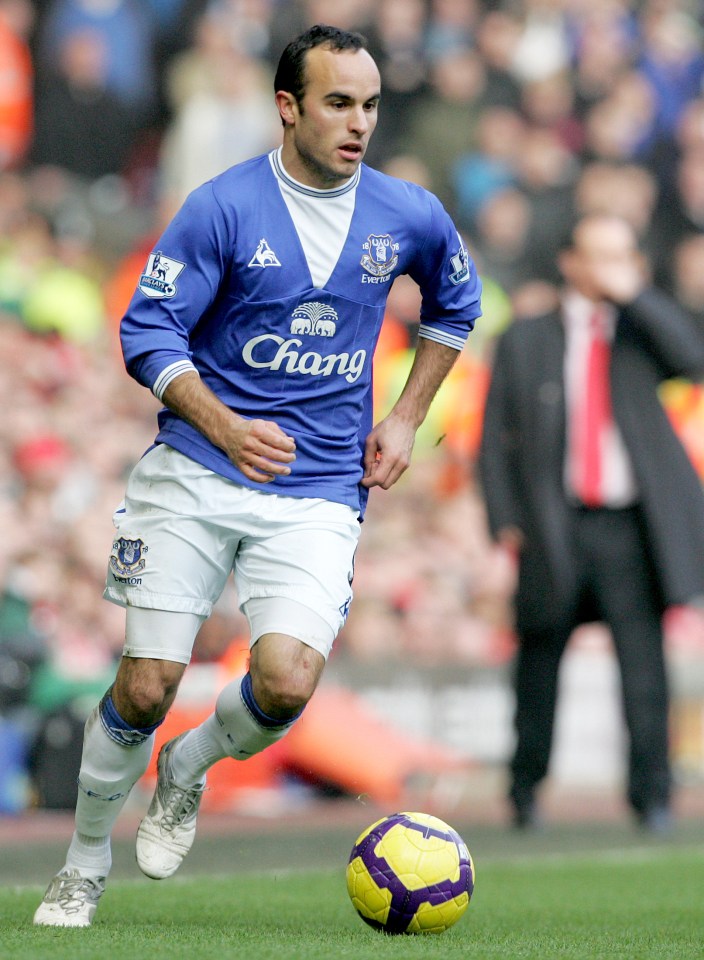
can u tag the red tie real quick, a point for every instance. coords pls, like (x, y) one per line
(595, 414)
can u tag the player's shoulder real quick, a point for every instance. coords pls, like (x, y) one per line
(419, 210)
(239, 182)
(385, 185)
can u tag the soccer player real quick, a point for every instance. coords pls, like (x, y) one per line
(257, 332)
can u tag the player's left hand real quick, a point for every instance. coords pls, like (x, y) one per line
(387, 452)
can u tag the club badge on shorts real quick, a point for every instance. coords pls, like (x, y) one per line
(127, 559)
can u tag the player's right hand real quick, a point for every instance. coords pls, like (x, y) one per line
(261, 450)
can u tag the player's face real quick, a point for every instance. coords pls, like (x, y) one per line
(328, 132)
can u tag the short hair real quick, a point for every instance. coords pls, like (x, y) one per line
(290, 73)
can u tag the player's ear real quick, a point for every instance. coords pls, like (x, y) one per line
(288, 108)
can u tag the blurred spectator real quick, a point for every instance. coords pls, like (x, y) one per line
(690, 182)
(396, 41)
(548, 103)
(16, 82)
(688, 275)
(672, 61)
(442, 122)
(81, 124)
(409, 167)
(681, 211)
(690, 130)
(629, 191)
(546, 172)
(571, 466)
(123, 29)
(491, 166)
(502, 232)
(46, 294)
(225, 122)
(604, 45)
(534, 299)
(451, 27)
(622, 126)
(246, 24)
(497, 36)
(13, 205)
(543, 47)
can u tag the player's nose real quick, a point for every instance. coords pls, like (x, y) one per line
(359, 121)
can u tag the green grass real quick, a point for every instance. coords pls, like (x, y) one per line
(634, 904)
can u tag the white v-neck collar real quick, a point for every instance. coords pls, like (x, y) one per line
(321, 218)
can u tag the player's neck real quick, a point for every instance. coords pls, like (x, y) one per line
(305, 175)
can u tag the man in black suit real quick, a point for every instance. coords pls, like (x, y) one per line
(586, 480)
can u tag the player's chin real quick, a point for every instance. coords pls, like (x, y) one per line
(349, 160)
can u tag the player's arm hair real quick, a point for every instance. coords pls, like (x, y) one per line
(193, 401)
(431, 365)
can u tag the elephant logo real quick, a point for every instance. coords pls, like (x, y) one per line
(316, 319)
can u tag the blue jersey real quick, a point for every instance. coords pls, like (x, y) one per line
(230, 291)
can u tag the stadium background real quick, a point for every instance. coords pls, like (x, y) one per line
(519, 115)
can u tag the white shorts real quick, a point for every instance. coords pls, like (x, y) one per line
(182, 529)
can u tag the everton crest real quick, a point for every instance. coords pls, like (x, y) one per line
(127, 557)
(159, 278)
(380, 254)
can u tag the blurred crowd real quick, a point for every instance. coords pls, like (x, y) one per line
(519, 115)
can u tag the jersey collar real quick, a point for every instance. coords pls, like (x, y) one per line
(280, 173)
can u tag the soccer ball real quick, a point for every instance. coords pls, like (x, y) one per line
(410, 873)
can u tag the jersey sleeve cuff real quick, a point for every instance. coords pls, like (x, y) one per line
(168, 374)
(442, 336)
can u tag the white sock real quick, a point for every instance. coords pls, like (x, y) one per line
(108, 772)
(231, 731)
(91, 856)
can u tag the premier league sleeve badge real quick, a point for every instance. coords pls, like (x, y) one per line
(158, 281)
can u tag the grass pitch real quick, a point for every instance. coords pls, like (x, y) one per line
(634, 903)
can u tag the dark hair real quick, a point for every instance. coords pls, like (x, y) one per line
(290, 73)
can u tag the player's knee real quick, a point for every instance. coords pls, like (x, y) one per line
(282, 689)
(144, 690)
(285, 673)
(147, 702)
(282, 695)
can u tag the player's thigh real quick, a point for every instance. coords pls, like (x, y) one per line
(295, 575)
(171, 551)
(161, 636)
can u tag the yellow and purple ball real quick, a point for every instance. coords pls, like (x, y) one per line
(410, 873)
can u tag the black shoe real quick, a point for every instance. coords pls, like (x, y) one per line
(656, 820)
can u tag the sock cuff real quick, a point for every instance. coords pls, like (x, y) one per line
(263, 719)
(118, 729)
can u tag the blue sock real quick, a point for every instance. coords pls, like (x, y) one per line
(263, 719)
(118, 729)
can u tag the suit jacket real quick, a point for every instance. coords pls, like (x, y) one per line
(521, 460)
